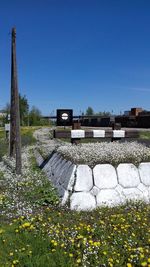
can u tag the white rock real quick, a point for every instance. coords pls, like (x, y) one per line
(82, 201)
(132, 194)
(144, 170)
(84, 181)
(128, 175)
(105, 176)
(108, 197)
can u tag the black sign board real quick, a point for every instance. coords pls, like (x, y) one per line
(64, 117)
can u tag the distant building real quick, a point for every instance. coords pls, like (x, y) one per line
(135, 111)
(126, 112)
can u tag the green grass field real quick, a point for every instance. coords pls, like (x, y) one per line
(59, 237)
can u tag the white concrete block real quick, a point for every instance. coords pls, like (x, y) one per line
(98, 133)
(82, 201)
(132, 194)
(72, 179)
(144, 190)
(108, 197)
(105, 176)
(144, 170)
(84, 181)
(128, 175)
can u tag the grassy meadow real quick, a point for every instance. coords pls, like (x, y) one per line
(35, 231)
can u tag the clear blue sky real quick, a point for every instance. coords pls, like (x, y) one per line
(78, 53)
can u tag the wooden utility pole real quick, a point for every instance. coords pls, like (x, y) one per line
(15, 137)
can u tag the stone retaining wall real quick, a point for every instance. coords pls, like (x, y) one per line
(83, 188)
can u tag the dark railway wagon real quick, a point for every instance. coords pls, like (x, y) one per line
(143, 121)
(126, 121)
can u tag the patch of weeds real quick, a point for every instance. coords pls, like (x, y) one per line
(27, 137)
(145, 135)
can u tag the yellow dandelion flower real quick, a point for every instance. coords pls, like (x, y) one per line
(78, 260)
(26, 225)
(129, 265)
(141, 256)
(70, 255)
(144, 263)
(15, 262)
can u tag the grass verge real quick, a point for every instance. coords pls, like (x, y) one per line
(59, 237)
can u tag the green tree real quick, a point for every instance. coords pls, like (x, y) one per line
(24, 110)
(89, 111)
(104, 113)
(35, 116)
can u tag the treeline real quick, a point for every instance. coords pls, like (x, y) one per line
(90, 111)
(28, 117)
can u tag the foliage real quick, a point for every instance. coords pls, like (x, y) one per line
(27, 136)
(24, 193)
(103, 113)
(3, 144)
(89, 111)
(145, 135)
(24, 110)
(26, 139)
(34, 116)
